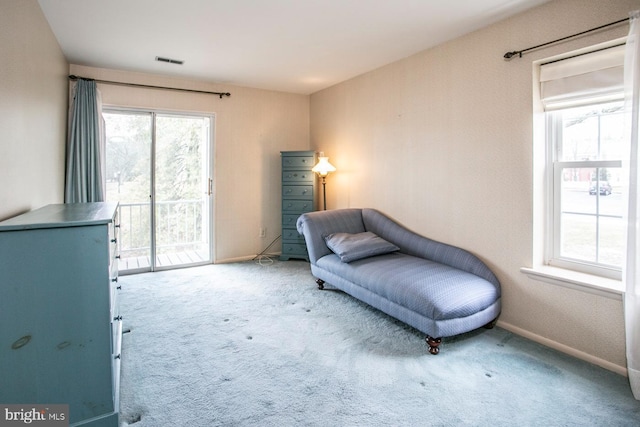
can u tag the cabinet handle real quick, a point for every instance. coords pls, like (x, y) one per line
(117, 357)
(114, 280)
(117, 226)
(117, 256)
(114, 240)
(117, 318)
(118, 287)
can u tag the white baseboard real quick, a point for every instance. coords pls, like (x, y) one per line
(622, 370)
(238, 259)
(258, 258)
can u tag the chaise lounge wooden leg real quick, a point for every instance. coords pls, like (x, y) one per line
(433, 344)
(491, 324)
(320, 283)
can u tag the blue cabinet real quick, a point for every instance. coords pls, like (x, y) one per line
(60, 327)
(299, 191)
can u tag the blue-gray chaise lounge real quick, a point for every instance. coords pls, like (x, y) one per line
(439, 289)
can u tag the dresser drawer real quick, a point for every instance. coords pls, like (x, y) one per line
(292, 235)
(294, 249)
(299, 206)
(297, 192)
(115, 311)
(297, 162)
(116, 358)
(114, 228)
(114, 293)
(297, 177)
(289, 220)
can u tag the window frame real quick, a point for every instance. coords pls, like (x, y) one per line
(554, 173)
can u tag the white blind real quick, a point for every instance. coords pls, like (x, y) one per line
(581, 80)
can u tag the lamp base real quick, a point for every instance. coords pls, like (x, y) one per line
(324, 193)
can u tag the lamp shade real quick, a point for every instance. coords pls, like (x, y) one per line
(323, 167)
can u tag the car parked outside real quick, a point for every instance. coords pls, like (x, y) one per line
(605, 189)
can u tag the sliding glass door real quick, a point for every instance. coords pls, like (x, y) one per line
(159, 169)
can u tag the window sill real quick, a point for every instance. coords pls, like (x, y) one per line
(602, 286)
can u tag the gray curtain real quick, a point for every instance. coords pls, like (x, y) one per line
(85, 146)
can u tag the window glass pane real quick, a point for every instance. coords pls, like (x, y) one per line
(612, 133)
(612, 236)
(575, 191)
(578, 236)
(594, 132)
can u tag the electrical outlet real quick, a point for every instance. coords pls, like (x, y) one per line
(263, 232)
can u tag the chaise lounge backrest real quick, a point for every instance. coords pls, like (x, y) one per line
(414, 244)
(317, 225)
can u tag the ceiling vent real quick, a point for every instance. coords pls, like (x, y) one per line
(169, 60)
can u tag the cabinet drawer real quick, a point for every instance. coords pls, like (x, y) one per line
(294, 249)
(116, 352)
(289, 220)
(297, 162)
(297, 192)
(114, 295)
(297, 176)
(299, 206)
(292, 235)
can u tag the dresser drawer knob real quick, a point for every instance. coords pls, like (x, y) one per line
(114, 240)
(117, 318)
(117, 356)
(114, 280)
(117, 256)
(118, 287)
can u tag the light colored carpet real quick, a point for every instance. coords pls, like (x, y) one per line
(251, 345)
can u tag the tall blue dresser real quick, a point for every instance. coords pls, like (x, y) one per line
(60, 327)
(299, 195)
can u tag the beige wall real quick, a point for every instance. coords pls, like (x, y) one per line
(33, 110)
(442, 141)
(252, 127)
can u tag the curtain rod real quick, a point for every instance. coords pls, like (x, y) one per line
(510, 55)
(220, 94)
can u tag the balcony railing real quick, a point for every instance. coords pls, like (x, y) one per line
(181, 234)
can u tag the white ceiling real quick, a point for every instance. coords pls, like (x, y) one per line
(298, 46)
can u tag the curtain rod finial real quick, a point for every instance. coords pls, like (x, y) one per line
(510, 55)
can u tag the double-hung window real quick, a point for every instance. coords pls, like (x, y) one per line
(584, 115)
